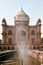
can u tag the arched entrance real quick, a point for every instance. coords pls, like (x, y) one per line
(8, 48)
(34, 47)
(4, 48)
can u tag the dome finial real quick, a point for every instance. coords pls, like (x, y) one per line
(21, 8)
(21, 5)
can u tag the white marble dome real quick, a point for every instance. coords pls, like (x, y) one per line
(21, 16)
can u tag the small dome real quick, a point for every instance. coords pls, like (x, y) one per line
(21, 15)
(39, 21)
(4, 21)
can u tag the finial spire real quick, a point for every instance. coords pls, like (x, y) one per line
(21, 4)
(21, 7)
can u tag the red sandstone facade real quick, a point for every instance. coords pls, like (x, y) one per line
(21, 32)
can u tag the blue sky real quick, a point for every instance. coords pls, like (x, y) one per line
(9, 8)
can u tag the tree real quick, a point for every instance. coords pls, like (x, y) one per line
(0, 41)
(41, 40)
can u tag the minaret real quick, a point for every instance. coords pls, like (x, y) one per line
(39, 30)
(4, 31)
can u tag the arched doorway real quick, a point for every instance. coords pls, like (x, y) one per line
(38, 47)
(8, 48)
(4, 48)
(12, 48)
(34, 47)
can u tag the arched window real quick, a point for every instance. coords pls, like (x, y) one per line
(9, 41)
(21, 33)
(8, 48)
(34, 47)
(33, 32)
(9, 32)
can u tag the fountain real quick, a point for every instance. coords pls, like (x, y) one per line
(23, 49)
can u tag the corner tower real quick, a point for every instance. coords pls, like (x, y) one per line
(4, 31)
